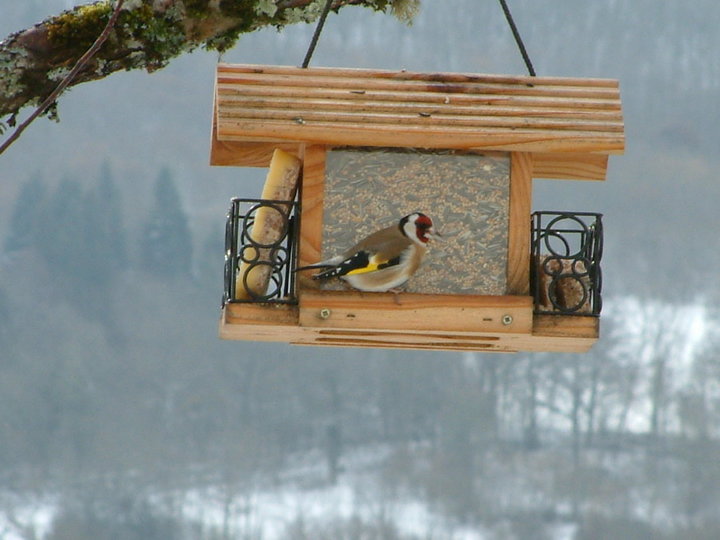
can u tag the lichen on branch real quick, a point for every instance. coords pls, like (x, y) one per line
(147, 35)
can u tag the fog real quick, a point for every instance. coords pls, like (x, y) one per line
(122, 415)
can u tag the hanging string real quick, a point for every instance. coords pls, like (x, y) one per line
(518, 39)
(316, 35)
(503, 4)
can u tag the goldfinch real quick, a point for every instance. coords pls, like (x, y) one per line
(384, 260)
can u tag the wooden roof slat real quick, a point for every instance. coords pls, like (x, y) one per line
(408, 75)
(231, 103)
(433, 110)
(410, 86)
(305, 116)
(423, 137)
(226, 91)
(276, 130)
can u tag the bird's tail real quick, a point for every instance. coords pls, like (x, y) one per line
(314, 267)
(328, 270)
(327, 264)
(331, 272)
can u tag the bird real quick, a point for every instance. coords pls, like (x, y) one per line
(384, 260)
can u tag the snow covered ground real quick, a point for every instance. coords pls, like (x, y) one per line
(300, 500)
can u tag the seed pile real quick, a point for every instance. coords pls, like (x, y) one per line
(466, 195)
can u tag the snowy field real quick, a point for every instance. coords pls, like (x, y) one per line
(301, 504)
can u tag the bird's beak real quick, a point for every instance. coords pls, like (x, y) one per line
(434, 234)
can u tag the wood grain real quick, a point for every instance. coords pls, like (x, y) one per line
(422, 136)
(553, 326)
(230, 69)
(284, 96)
(311, 202)
(428, 110)
(518, 261)
(280, 323)
(260, 322)
(570, 166)
(247, 154)
(244, 102)
(415, 312)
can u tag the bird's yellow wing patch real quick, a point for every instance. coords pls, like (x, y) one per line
(371, 267)
(375, 263)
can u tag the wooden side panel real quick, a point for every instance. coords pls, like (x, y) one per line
(311, 197)
(552, 326)
(564, 333)
(488, 342)
(506, 343)
(260, 322)
(570, 166)
(518, 263)
(416, 312)
(247, 154)
(555, 334)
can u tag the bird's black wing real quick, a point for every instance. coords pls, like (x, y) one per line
(359, 260)
(360, 263)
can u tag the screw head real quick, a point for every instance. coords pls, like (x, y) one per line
(507, 319)
(324, 313)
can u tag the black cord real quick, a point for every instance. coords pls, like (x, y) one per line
(518, 39)
(316, 35)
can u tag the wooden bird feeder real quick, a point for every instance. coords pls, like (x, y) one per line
(365, 147)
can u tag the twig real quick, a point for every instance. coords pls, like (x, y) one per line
(79, 65)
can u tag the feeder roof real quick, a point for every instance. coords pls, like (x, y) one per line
(360, 107)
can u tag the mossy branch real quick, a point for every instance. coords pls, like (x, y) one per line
(69, 78)
(147, 35)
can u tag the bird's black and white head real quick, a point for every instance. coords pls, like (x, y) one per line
(417, 227)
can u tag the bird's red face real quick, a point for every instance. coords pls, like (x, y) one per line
(423, 228)
(417, 227)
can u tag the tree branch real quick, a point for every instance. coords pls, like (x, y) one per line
(84, 59)
(146, 35)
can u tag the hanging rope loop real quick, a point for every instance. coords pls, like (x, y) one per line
(316, 35)
(503, 4)
(518, 39)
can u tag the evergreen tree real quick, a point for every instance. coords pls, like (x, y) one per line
(108, 222)
(78, 244)
(103, 234)
(69, 244)
(166, 243)
(62, 240)
(98, 257)
(26, 216)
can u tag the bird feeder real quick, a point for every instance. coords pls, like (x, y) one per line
(365, 147)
